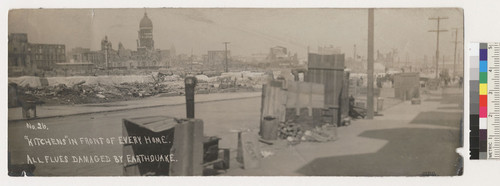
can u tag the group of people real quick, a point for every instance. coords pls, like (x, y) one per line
(446, 79)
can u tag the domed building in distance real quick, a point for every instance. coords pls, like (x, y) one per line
(145, 41)
(145, 57)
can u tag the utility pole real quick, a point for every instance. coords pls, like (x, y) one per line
(354, 57)
(369, 97)
(442, 64)
(437, 41)
(226, 68)
(455, 54)
(406, 59)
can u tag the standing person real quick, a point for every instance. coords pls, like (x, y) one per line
(379, 82)
(460, 81)
(392, 81)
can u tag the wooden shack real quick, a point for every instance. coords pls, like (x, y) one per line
(329, 71)
(305, 104)
(407, 85)
(299, 102)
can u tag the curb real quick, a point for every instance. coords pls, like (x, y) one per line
(125, 109)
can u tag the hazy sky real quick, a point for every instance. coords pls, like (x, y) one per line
(248, 30)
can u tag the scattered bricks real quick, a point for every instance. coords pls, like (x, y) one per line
(304, 119)
(290, 130)
(85, 91)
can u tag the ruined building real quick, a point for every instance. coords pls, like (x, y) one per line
(145, 57)
(32, 59)
(281, 56)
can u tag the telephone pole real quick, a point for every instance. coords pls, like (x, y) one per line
(354, 55)
(455, 55)
(369, 95)
(226, 67)
(437, 41)
(443, 63)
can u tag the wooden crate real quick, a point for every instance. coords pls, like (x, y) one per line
(153, 126)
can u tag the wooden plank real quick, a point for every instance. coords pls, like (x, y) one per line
(239, 150)
(344, 103)
(154, 123)
(188, 149)
(296, 94)
(225, 157)
(304, 94)
(273, 104)
(268, 110)
(137, 129)
(304, 118)
(324, 69)
(263, 104)
(251, 151)
(282, 105)
(129, 170)
(266, 102)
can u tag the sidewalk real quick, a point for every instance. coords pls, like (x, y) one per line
(407, 140)
(15, 114)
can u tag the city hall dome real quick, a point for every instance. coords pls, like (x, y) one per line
(145, 21)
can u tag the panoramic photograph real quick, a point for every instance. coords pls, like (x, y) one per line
(235, 92)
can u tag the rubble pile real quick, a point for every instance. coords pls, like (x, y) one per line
(245, 79)
(99, 93)
(88, 89)
(292, 130)
(295, 133)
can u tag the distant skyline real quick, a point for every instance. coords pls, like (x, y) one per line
(249, 30)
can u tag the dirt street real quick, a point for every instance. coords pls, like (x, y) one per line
(406, 140)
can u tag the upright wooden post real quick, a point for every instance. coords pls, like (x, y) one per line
(262, 105)
(187, 149)
(369, 106)
(188, 139)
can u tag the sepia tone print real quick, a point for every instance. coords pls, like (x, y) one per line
(235, 92)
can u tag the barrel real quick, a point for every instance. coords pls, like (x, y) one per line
(269, 130)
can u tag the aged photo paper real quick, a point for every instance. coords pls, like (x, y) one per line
(235, 92)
